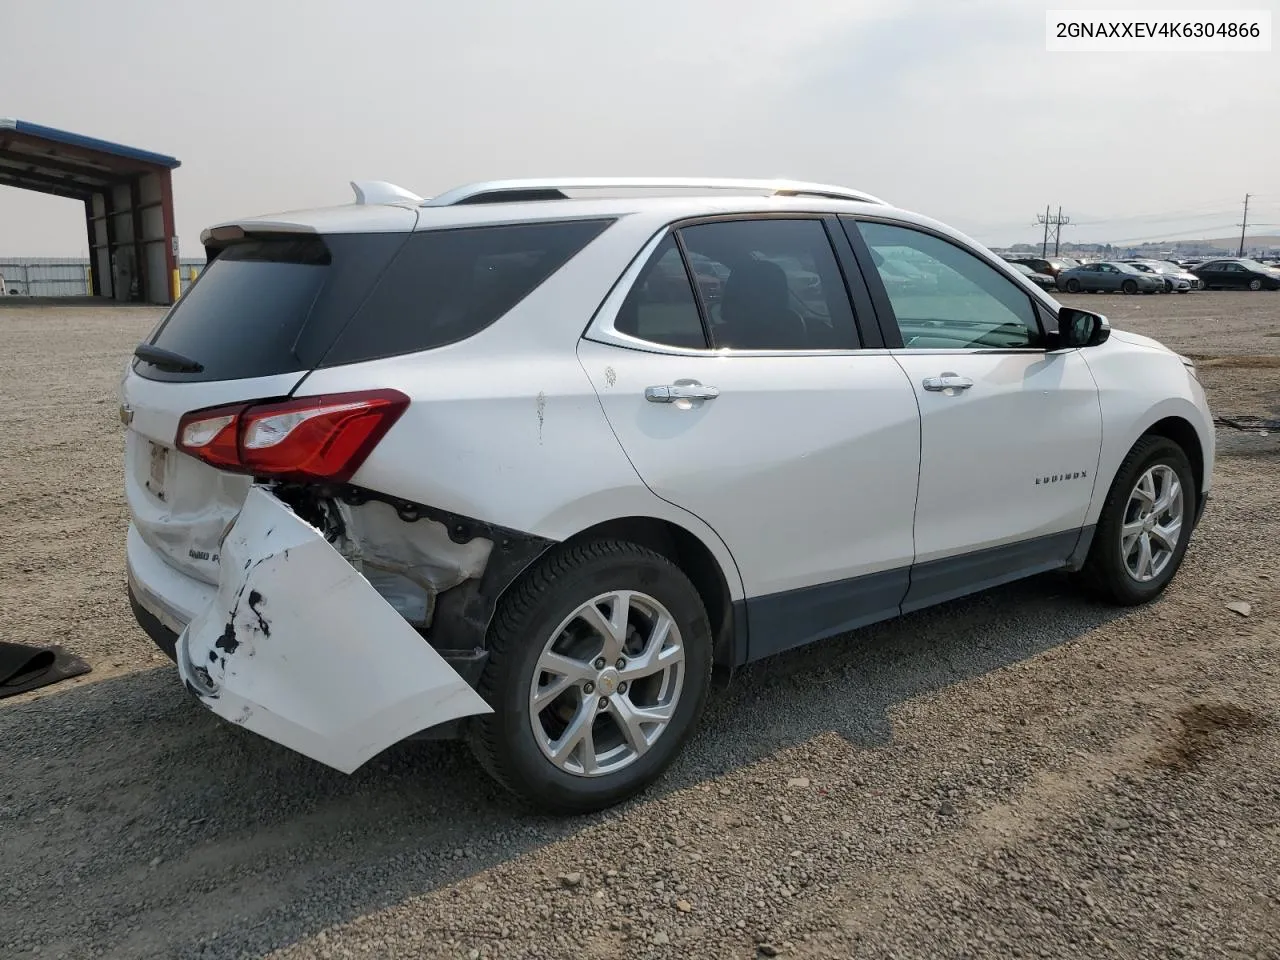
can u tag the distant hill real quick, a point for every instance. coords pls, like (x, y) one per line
(1266, 245)
(1270, 242)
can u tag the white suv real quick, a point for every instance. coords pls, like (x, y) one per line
(501, 464)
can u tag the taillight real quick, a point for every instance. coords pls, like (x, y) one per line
(304, 438)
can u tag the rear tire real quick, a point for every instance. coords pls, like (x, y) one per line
(1130, 287)
(563, 751)
(1131, 561)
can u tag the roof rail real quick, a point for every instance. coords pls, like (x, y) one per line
(379, 191)
(508, 191)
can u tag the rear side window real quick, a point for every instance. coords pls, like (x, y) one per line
(446, 285)
(660, 307)
(243, 316)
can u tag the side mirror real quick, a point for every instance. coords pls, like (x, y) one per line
(1080, 328)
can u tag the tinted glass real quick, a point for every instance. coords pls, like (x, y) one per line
(945, 297)
(781, 287)
(660, 307)
(446, 285)
(243, 315)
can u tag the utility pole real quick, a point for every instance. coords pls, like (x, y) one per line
(1244, 226)
(1057, 223)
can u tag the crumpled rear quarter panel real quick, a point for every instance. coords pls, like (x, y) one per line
(299, 647)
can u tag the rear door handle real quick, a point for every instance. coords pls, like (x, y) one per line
(671, 392)
(948, 381)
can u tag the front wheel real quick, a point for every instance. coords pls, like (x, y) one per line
(1130, 287)
(1255, 284)
(1145, 525)
(599, 669)
(1073, 285)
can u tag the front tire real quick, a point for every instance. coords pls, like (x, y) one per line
(1255, 284)
(1130, 287)
(1073, 285)
(1145, 525)
(599, 669)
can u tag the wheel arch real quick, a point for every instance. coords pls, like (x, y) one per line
(1183, 433)
(687, 551)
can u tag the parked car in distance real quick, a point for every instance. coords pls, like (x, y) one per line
(1109, 276)
(496, 465)
(1176, 279)
(1237, 274)
(1042, 280)
(1051, 266)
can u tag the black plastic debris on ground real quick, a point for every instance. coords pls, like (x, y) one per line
(24, 667)
(1247, 423)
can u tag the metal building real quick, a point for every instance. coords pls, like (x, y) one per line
(128, 204)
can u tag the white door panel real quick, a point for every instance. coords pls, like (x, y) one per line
(805, 465)
(1011, 456)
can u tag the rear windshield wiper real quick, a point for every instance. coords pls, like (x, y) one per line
(166, 359)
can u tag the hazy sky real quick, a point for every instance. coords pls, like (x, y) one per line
(950, 107)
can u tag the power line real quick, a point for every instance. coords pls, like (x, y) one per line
(1197, 233)
(1057, 223)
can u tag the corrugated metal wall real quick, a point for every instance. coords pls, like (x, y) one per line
(64, 276)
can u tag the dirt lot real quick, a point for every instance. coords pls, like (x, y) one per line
(1022, 773)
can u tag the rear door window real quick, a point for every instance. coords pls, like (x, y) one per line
(446, 285)
(782, 288)
(242, 317)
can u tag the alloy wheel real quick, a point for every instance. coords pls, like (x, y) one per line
(607, 683)
(1152, 525)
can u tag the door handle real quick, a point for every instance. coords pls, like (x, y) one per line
(671, 392)
(948, 381)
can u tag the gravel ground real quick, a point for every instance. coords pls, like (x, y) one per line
(1021, 773)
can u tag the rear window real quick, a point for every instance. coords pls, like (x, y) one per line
(446, 285)
(242, 317)
(272, 305)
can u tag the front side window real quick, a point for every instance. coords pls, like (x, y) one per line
(770, 284)
(945, 297)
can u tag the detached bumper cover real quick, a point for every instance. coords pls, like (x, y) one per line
(298, 647)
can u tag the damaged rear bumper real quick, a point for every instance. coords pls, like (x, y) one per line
(299, 647)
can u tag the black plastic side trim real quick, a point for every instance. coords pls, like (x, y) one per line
(783, 621)
(1081, 552)
(160, 635)
(941, 580)
(793, 618)
(739, 636)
